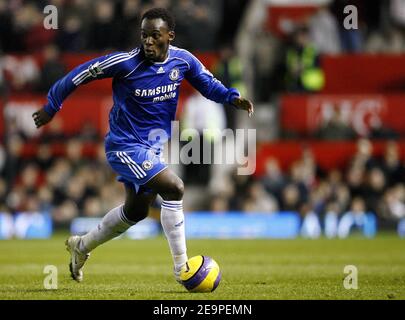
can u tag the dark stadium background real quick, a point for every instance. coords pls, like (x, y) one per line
(330, 152)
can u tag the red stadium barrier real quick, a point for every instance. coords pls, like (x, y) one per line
(78, 109)
(364, 73)
(303, 114)
(328, 155)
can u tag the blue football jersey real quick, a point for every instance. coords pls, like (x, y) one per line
(145, 94)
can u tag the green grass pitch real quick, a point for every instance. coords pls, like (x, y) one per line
(251, 269)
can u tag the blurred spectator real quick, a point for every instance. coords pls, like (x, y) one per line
(22, 72)
(30, 19)
(206, 120)
(397, 13)
(391, 164)
(335, 128)
(92, 207)
(229, 71)
(197, 23)
(258, 200)
(324, 31)
(131, 21)
(74, 154)
(103, 29)
(64, 214)
(53, 132)
(352, 40)
(3, 83)
(392, 208)
(389, 40)
(374, 189)
(3, 195)
(302, 177)
(342, 197)
(310, 227)
(52, 68)
(303, 71)
(219, 203)
(29, 178)
(290, 200)
(44, 157)
(273, 180)
(6, 28)
(333, 211)
(355, 180)
(363, 157)
(88, 132)
(71, 36)
(355, 218)
(380, 131)
(13, 161)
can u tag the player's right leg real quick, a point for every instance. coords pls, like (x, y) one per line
(113, 224)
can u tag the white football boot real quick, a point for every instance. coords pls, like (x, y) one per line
(177, 276)
(77, 259)
(177, 273)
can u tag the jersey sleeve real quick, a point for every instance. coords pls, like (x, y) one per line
(108, 66)
(210, 87)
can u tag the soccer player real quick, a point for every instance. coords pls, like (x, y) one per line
(145, 87)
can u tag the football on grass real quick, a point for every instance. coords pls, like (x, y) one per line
(200, 274)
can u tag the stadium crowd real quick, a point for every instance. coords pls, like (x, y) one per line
(71, 183)
(85, 25)
(297, 53)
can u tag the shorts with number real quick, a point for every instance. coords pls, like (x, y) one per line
(136, 167)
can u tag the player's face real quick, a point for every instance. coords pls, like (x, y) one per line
(155, 37)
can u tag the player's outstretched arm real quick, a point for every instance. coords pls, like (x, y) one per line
(108, 66)
(243, 104)
(41, 117)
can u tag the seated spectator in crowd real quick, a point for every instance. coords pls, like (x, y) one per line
(258, 200)
(273, 179)
(392, 208)
(355, 177)
(391, 164)
(380, 131)
(291, 200)
(374, 188)
(54, 133)
(219, 203)
(311, 226)
(356, 219)
(364, 155)
(335, 128)
(331, 219)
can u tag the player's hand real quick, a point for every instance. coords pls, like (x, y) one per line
(244, 104)
(41, 117)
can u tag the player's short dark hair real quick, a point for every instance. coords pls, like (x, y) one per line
(161, 13)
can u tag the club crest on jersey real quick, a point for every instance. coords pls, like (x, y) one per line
(174, 74)
(147, 165)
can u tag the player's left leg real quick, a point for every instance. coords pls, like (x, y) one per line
(171, 188)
